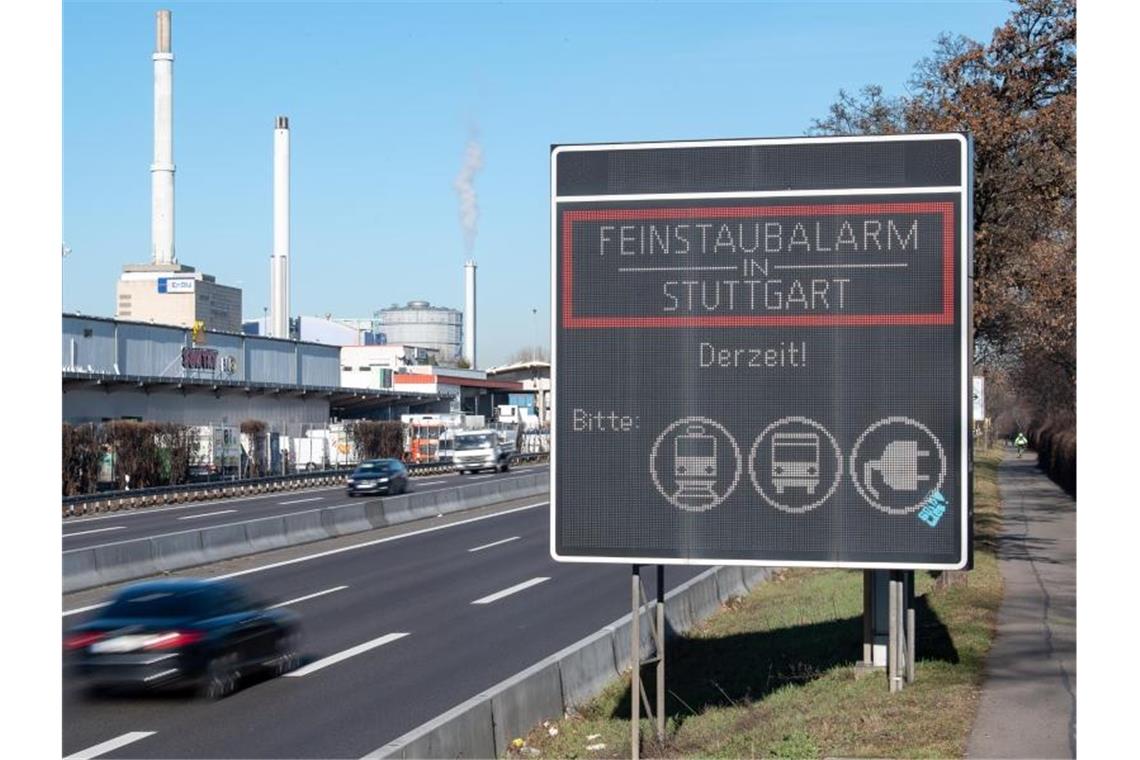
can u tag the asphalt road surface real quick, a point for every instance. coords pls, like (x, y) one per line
(86, 532)
(475, 601)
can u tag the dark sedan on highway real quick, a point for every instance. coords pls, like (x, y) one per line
(378, 476)
(204, 634)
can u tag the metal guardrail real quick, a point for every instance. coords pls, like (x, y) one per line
(112, 501)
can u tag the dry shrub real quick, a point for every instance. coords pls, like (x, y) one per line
(82, 452)
(378, 439)
(255, 429)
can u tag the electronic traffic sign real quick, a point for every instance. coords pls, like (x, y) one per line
(761, 352)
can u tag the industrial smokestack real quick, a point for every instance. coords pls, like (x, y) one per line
(469, 314)
(279, 262)
(162, 168)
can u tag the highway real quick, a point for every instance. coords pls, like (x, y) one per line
(395, 632)
(86, 532)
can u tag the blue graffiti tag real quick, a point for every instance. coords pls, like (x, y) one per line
(933, 508)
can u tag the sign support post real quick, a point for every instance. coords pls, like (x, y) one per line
(910, 629)
(637, 693)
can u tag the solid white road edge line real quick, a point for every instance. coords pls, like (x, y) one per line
(208, 514)
(512, 590)
(300, 501)
(97, 530)
(333, 659)
(109, 745)
(318, 555)
(309, 596)
(496, 543)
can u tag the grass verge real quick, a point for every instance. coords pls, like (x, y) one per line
(772, 675)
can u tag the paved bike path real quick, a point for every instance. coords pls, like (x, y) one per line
(1028, 707)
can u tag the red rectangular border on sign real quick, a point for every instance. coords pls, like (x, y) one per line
(944, 317)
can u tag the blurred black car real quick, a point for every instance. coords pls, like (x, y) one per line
(378, 476)
(186, 632)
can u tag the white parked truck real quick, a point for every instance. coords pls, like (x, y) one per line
(484, 449)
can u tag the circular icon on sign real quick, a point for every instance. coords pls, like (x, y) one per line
(695, 464)
(896, 463)
(795, 464)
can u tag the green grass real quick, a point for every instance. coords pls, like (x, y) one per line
(772, 675)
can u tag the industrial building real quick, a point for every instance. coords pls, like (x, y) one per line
(165, 291)
(336, 332)
(534, 377)
(421, 324)
(375, 366)
(467, 390)
(117, 369)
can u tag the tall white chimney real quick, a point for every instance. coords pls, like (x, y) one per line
(279, 262)
(469, 314)
(162, 169)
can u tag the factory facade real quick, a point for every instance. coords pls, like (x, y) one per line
(176, 295)
(116, 369)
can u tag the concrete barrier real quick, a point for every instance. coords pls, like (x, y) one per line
(703, 599)
(120, 562)
(266, 534)
(463, 731)
(345, 519)
(80, 570)
(514, 707)
(129, 560)
(730, 583)
(374, 513)
(523, 701)
(303, 527)
(177, 550)
(754, 576)
(587, 668)
(621, 638)
(224, 542)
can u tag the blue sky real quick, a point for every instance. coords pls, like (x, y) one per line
(382, 99)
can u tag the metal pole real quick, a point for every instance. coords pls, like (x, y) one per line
(868, 623)
(910, 627)
(635, 664)
(661, 654)
(893, 643)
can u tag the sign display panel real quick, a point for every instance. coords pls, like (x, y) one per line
(176, 284)
(761, 352)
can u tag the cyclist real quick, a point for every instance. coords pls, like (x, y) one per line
(1020, 442)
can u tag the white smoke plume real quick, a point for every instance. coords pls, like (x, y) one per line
(465, 187)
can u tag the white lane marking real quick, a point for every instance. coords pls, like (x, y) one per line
(496, 543)
(488, 475)
(97, 530)
(319, 555)
(88, 608)
(309, 596)
(191, 530)
(208, 514)
(195, 505)
(300, 501)
(512, 590)
(109, 745)
(333, 659)
(431, 482)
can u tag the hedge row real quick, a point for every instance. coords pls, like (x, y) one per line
(152, 453)
(1055, 441)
